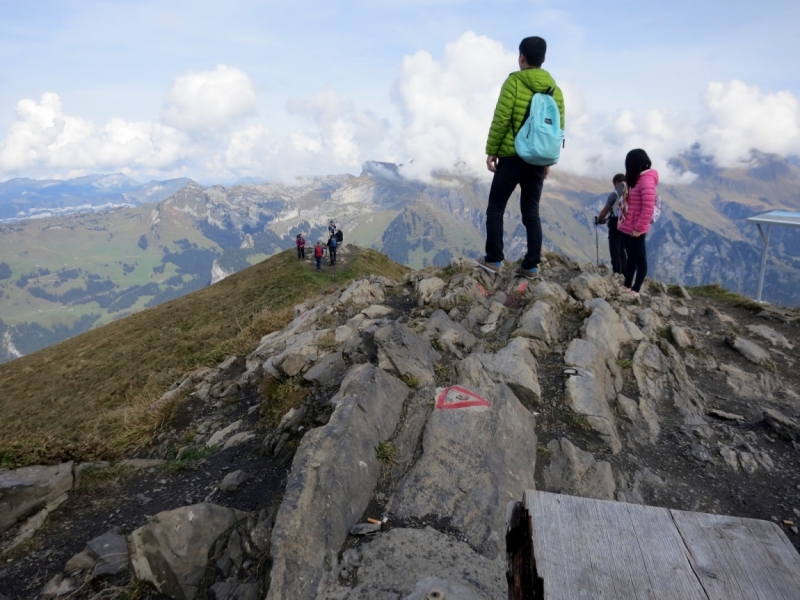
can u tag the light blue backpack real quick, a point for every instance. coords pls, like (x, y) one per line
(541, 138)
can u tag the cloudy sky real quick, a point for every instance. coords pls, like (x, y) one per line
(220, 91)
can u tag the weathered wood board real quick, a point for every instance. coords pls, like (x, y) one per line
(586, 548)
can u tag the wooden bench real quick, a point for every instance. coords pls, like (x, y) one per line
(567, 548)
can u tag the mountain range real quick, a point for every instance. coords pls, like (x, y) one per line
(64, 274)
(24, 198)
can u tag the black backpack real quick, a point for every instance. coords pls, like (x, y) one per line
(339, 236)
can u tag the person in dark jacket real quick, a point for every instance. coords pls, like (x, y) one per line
(616, 247)
(332, 244)
(301, 246)
(508, 168)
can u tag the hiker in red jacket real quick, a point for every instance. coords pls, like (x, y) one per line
(301, 246)
(635, 215)
(319, 252)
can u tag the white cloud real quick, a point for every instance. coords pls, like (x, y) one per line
(741, 118)
(207, 102)
(44, 139)
(447, 106)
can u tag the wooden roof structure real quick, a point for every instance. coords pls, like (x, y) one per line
(584, 548)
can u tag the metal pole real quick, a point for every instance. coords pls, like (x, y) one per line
(765, 238)
(596, 245)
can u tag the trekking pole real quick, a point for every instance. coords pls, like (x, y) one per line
(596, 243)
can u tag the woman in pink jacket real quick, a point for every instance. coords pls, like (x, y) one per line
(635, 216)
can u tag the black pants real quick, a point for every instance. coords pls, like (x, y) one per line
(513, 171)
(301, 252)
(332, 254)
(616, 247)
(637, 261)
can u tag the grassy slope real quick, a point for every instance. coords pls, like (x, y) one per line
(87, 396)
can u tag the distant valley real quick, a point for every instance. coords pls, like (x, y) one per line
(63, 274)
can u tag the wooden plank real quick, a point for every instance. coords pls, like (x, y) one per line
(561, 560)
(587, 548)
(752, 553)
(714, 564)
(627, 556)
(777, 554)
(665, 556)
(747, 552)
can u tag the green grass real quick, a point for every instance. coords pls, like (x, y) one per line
(187, 460)
(543, 450)
(89, 397)
(386, 453)
(719, 293)
(277, 398)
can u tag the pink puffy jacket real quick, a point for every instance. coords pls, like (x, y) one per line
(641, 202)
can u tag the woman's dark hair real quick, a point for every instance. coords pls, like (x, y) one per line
(636, 162)
(533, 49)
(618, 178)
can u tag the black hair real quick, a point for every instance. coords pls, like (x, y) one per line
(533, 49)
(618, 178)
(636, 162)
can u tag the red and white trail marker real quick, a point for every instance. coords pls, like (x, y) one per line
(458, 397)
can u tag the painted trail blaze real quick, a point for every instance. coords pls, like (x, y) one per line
(458, 397)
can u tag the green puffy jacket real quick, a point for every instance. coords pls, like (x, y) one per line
(515, 98)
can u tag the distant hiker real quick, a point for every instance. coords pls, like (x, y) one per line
(319, 252)
(339, 236)
(332, 244)
(636, 212)
(301, 246)
(509, 169)
(331, 228)
(615, 246)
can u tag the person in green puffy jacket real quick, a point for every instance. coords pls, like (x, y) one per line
(508, 168)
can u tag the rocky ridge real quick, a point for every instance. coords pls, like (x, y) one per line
(413, 413)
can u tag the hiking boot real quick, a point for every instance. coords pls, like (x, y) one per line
(527, 273)
(491, 267)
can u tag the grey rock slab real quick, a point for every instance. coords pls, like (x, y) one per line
(333, 474)
(435, 587)
(440, 326)
(772, 336)
(365, 529)
(232, 481)
(82, 561)
(409, 433)
(221, 435)
(225, 590)
(781, 424)
(726, 416)
(362, 293)
(376, 311)
(31, 489)
(327, 370)
(474, 461)
(590, 285)
(576, 472)
(749, 464)
(428, 287)
(237, 439)
(680, 337)
(750, 350)
(540, 322)
(172, 551)
(729, 456)
(59, 586)
(604, 328)
(402, 352)
(111, 550)
(513, 365)
(496, 313)
(549, 291)
(403, 563)
(589, 392)
(700, 453)
(644, 422)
